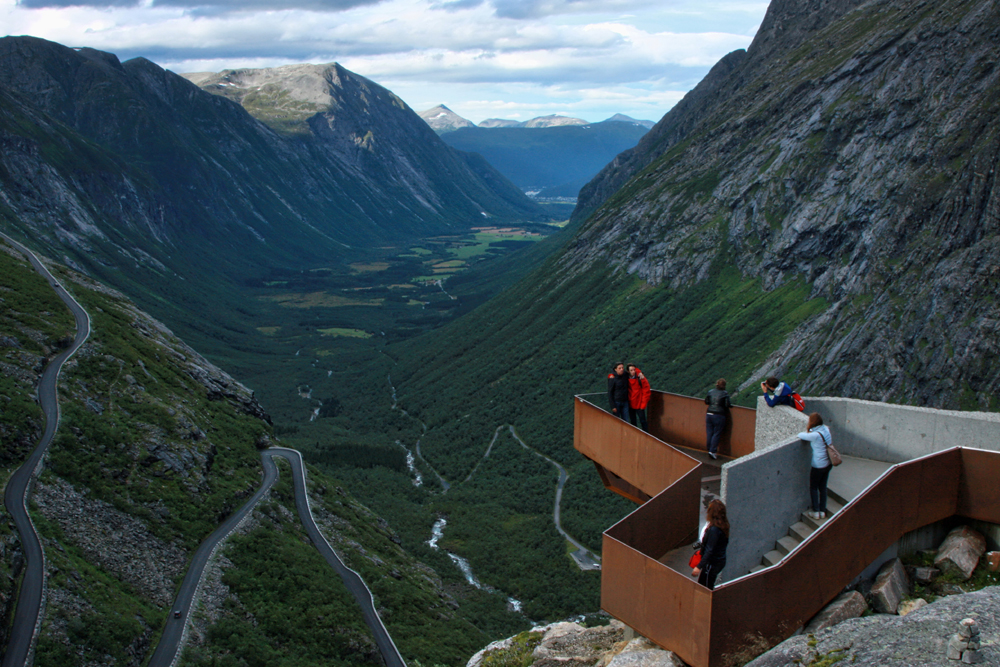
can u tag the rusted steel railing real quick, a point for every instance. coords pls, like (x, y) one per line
(742, 618)
(657, 601)
(680, 420)
(646, 463)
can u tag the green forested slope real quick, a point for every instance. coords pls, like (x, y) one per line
(156, 446)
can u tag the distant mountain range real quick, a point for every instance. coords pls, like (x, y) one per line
(549, 162)
(443, 120)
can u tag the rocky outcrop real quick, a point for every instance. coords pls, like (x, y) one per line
(919, 639)
(119, 543)
(569, 644)
(847, 605)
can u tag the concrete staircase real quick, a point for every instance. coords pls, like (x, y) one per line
(800, 530)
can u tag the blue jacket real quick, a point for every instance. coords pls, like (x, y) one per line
(818, 438)
(782, 396)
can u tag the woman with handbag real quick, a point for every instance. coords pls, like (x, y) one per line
(713, 545)
(819, 438)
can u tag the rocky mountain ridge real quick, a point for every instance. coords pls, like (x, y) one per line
(851, 147)
(136, 176)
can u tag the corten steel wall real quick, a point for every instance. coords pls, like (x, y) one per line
(662, 604)
(979, 491)
(908, 496)
(742, 618)
(642, 460)
(680, 420)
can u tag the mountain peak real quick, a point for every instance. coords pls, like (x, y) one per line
(553, 120)
(442, 119)
(622, 118)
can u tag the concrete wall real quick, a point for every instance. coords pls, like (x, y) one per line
(777, 424)
(897, 433)
(764, 492)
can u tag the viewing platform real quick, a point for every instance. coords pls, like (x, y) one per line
(906, 473)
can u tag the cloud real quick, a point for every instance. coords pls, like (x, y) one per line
(208, 6)
(592, 58)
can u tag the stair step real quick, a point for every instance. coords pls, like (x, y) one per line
(786, 544)
(800, 531)
(834, 505)
(756, 568)
(832, 494)
(772, 558)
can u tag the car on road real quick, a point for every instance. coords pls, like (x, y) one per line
(177, 613)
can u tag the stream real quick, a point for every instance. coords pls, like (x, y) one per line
(437, 532)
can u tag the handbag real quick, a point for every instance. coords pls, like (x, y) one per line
(835, 458)
(695, 559)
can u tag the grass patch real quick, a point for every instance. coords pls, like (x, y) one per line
(345, 333)
(317, 300)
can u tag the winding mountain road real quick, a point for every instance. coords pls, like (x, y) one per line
(171, 644)
(585, 559)
(27, 616)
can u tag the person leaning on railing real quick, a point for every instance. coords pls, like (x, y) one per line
(819, 437)
(776, 392)
(715, 418)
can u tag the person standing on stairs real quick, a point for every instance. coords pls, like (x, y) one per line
(713, 545)
(818, 436)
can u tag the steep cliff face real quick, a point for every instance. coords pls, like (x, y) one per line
(854, 146)
(373, 134)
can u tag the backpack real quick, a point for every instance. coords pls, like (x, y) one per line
(797, 402)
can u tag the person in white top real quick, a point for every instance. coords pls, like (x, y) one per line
(818, 436)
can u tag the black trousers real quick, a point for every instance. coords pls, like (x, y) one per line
(709, 573)
(641, 414)
(817, 487)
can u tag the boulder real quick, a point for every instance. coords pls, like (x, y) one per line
(573, 644)
(641, 653)
(925, 575)
(847, 605)
(960, 552)
(890, 587)
(918, 640)
(910, 606)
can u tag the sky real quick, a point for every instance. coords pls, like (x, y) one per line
(514, 59)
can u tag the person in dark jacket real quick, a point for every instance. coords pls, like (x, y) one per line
(638, 397)
(777, 392)
(714, 542)
(715, 419)
(618, 391)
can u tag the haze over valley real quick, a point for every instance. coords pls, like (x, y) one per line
(290, 256)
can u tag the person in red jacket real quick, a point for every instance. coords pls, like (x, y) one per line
(638, 397)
